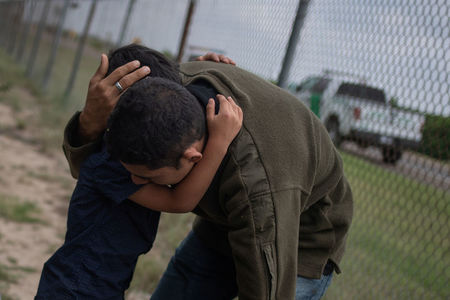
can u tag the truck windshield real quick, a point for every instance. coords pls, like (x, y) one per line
(362, 91)
(314, 85)
(320, 85)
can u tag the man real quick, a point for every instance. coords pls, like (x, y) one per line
(274, 221)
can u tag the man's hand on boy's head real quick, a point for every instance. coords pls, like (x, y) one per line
(211, 56)
(103, 94)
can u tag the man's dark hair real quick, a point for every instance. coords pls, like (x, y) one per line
(153, 123)
(159, 64)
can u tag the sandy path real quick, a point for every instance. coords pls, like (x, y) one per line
(28, 175)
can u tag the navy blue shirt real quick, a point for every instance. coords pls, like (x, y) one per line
(106, 233)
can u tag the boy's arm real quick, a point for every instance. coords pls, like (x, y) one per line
(186, 195)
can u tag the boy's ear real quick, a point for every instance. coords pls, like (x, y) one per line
(192, 155)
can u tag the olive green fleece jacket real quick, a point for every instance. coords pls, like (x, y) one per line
(283, 205)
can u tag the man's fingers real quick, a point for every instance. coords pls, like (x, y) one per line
(121, 71)
(224, 59)
(101, 70)
(131, 78)
(211, 56)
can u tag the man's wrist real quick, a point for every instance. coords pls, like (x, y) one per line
(87, 132)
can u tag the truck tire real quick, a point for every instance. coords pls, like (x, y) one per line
(332, 126)
(391, 154)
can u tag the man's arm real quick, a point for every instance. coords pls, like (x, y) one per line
(74, 151)
(103, 94)
(83, 132)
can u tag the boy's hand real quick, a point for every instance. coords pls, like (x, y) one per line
(103, 94)
(224, 126)
(211, 56)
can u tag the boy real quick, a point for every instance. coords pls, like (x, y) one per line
(113, 217)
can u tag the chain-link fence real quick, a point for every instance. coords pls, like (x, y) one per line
(375, 72)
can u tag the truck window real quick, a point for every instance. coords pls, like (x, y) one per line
(373, 94)
(362, 91)
(307, 84)
(320, 86)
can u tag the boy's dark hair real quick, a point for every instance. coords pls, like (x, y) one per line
(160, 65)
(153, 123)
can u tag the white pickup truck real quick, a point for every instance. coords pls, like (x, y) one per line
(353, 110)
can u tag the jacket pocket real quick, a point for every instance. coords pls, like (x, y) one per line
(268, 251)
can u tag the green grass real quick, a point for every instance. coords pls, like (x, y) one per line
(5, 275)
(13, 209)
(398, 247)
(172, 229)
(65, 183)
(6, 278)
(9, 275)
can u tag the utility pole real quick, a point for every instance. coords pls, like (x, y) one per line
(187, 24)
(80, 48)
(125, 23)
(292, 44)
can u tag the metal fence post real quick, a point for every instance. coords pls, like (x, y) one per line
(26, 31)
(187, 23)
(80, 48)
(8, 19)
(55, 45)
(3, 18)
(37, 39)
(292, 44)
(15, 25)
(125, 22)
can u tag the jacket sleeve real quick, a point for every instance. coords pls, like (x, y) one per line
(262, 234)
(74, 151)
(327, 215)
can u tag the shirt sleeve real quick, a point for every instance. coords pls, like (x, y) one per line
(113, 180)
(75, 152)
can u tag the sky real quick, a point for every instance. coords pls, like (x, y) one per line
(401, 46)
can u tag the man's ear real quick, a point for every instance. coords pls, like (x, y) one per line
(192, 155)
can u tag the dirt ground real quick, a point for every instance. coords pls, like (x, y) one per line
(30, 175)
(27, 174)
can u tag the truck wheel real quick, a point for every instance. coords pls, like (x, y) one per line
(333, 130)
(391, 155)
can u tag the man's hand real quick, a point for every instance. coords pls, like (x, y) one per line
(211, 56)
(103, 94)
